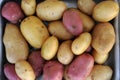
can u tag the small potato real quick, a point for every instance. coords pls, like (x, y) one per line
(50, 10)
(49, 48)
(57, 29)
(105, 11)
(86, 6)
(15, 45)
(100, 72)
(28, 6)
(65, 55)
(99, 58)
(34, 31)
(53, 70)
(24, 70)
(103, 37)
(81, 43)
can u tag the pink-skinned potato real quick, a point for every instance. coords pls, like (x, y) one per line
(37, 62)
(9, 71)
(53, 70)
(12, 12)
(72, 21)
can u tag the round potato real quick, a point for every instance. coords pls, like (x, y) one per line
(28, 6)
(49, 48)
(34, 31)
(24, 70)
(81, 43)
(65, 55)
(105, 11)
(50, 10)
(57, 29)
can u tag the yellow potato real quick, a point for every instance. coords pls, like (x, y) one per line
(50, 10)
(99, 58)
(105, 11)
(86, 6)
(65, 55)
(81, 43)
(57, 29)
(49, 48)
(34, 31)
(100, 72)
(15, 45)
(28, 6)
(24, 70)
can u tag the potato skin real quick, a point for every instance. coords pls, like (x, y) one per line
(53, 70)
(15, 45)
(24, 70)
(105, 11)
(65, 54)
(34, 31)
(28, 6)
(50, 10)
(56, 28)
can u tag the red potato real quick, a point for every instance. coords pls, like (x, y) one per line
(9, 71)
(12, 12)
(73, 22)
(53, 70)
(37, 62)
(80, 68)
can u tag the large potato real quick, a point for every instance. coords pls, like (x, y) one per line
(100, 72)
(57, 29)
(50, 10)
(28, 6)
(65, 54)
(81, 43)
(103, 37)
(34, 31)
(15, 45)
(105, 11)
(49, 48)
(24, 70)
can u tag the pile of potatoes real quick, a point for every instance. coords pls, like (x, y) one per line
(51, 40)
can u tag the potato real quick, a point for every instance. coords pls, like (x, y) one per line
(37, 62)
(15, 45)
(9, 71)
(53, 70)
(24, 70)
(100, 72)
(81, 43)
(65, 54)
(57, 29)
(105, 11)
(103, 37)
(99, 58)
(73, 22)
(50, 10)
(49, 48)
(12, 12)
(34, 31)
(80, 68)
(28, 6)
(86, 6)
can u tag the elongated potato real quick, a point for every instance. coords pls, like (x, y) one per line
(24, 70)
(65, 54)
(50, 10)
(15, 45)
(28, 6)
(34, 31)
(49, 48)
(81, 43)
(57, 29)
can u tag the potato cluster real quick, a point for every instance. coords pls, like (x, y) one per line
(52, 40)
